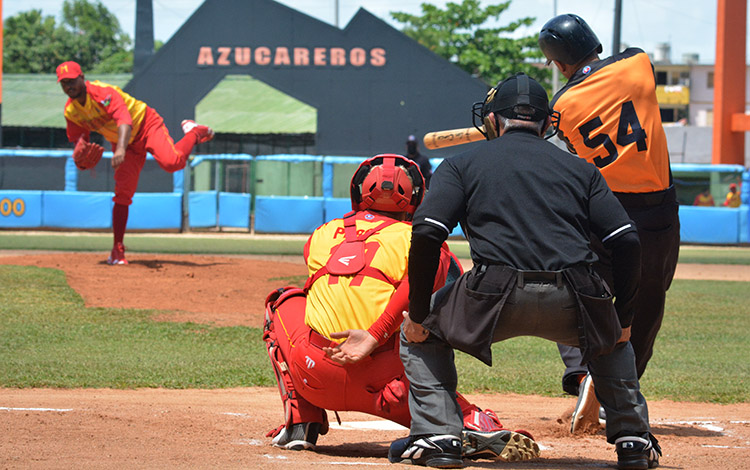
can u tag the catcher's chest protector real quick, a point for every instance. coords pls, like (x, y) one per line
(348, 258)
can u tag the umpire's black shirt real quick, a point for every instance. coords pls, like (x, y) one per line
(521, 202)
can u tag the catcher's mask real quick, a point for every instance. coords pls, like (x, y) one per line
(388, 183)
(518, 97)
(568, 39)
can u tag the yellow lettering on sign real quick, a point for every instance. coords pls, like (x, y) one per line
(16, 207)
(19, 207)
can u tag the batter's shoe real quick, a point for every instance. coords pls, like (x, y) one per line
(508, 446)
(204, 133)
(586, 412)
(440, 451)
(303, 436)
(637, 453)
(117, 256)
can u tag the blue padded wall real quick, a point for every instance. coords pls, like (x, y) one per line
(20, 209)
(287, 214)
(234, 210)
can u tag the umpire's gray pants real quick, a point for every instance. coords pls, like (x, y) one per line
(535, 309)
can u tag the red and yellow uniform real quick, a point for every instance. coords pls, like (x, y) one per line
(704, 200)
(733, 199)
(106, 108)
(609, 115)
(338, 303)
(377, 384)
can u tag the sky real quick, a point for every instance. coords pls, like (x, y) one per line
(688, 26)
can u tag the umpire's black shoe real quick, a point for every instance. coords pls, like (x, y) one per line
(504, 445)
(637, 453)
(441, 451)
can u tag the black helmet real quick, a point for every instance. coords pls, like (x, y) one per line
(568, 39)
(518, 97)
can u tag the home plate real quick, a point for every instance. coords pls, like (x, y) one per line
(369, 425)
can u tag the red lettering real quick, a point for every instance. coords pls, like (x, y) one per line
(357, 57)
(297, 56)
(242, 55)
(262, 55)
(319, 56)
(339, 231)
(282, 57)
(205, 56)
(377, 57)
(301, 56)
(338, 56)
(224, 56)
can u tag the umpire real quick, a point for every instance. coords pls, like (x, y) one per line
(527, 209)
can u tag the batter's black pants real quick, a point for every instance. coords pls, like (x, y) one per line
(656, 218)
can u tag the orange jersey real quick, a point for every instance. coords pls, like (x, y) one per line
(106, 108)
(338, 303)
(609, 115)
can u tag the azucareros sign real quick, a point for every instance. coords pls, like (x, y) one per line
(282, 56)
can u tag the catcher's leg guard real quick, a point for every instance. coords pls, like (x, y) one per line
(296, 408)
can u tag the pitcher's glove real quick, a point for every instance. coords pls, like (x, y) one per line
(87, 154)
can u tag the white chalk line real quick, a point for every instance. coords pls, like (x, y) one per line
(62, 410)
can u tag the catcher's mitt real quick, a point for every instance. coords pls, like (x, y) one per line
(87, 154)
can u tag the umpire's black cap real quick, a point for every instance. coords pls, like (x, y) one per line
(515, 96)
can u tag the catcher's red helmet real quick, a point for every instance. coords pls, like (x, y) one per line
(389, 183)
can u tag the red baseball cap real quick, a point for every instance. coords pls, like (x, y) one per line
(68, 69)
(733, 186)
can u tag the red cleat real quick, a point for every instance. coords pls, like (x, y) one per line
(204, 133)
(118, 255)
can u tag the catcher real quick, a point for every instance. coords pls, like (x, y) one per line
(332, 344)
(132, 127)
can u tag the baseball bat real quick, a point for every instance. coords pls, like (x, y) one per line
(451, 137)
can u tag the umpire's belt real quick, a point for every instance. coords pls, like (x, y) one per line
(527, 277)
(540, 277)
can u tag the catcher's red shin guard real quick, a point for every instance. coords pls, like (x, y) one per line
(296, 408)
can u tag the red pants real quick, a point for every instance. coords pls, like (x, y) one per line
(375, 385)
(153, 138)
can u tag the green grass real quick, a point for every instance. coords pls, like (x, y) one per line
(155, 244)
(244, 244)
(715, 255)
(688, 254)
(49, 339)
(701, 353)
